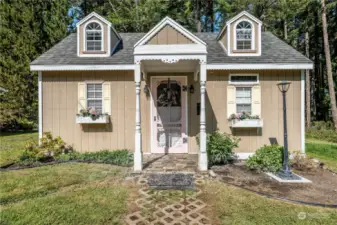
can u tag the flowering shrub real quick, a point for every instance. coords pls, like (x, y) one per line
(91, 112)
(242, 116)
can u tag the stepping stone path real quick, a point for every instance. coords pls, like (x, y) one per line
(168, 207)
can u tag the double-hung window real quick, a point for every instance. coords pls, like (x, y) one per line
(244, 99)
(244, 36)
(94, 97)
(93, 37)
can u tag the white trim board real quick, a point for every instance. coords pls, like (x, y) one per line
(258, 66)
(181, 57)
(170, 49)
(80, 67)
(303, 111)
(40, 104)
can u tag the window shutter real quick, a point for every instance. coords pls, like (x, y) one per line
(256, 100)
(82, 96)
(106, 98)
(231, 97)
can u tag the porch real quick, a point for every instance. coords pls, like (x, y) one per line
(167, 111)
(170, 163)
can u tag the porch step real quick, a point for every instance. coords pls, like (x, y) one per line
(176, 181)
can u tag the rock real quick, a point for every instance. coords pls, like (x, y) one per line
(324, 167)
(316, 161)
(212, 174)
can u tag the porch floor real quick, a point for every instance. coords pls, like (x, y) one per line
(170, 163)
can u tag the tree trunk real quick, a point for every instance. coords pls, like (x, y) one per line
(197, 17)
(285, 27)
(328, 66)
(307, 83)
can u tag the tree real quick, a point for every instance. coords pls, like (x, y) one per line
(328, 66)
(27, 29)
(307, 84)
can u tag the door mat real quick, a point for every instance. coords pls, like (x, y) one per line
(176, 181)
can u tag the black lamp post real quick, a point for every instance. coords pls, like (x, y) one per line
(285, 171)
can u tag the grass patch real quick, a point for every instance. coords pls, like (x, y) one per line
(12, 145)
(67, 193)
(235, 206)
(326, 152)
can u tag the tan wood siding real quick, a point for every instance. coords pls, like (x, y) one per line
(271, 109)
(60, 108)
(168, 35)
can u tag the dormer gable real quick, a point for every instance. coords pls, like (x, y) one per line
(241, 36)
(169, 37)
(96, 37)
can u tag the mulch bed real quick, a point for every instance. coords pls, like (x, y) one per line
(322, 190)
(14, 166)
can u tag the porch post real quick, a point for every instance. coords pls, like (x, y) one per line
(203, 164)
(138, 162)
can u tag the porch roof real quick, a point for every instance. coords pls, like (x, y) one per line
(274, 51)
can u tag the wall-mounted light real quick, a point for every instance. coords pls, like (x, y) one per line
(191, 89)
(146, 90)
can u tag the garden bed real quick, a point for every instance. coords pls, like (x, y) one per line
(322, 190)
(15, 166)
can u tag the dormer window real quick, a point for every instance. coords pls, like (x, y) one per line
(93, 32)
(244, 36)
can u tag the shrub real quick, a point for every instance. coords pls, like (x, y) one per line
(220, 147)
(117, 157)
(301, 162)
(48, 149)
(322, 131)
(267, 158)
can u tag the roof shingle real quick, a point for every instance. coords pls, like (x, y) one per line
(274, 50)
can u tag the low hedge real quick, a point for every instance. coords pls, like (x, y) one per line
(268, 158)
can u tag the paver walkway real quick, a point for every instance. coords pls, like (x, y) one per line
(162, 207)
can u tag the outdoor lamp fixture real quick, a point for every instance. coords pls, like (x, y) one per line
(285, 171)
(191, 89)
(146, 90)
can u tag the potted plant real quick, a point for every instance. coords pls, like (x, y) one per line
(244, 119)
(90, 115)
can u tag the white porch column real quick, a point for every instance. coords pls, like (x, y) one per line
(203, 163)
(138, 158)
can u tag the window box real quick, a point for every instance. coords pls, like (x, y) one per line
(246, 123)
(88, 120)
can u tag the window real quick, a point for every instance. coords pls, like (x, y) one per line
(244, 36)
(244, 79)
(94, 97)
(93, 33)
(244, 99)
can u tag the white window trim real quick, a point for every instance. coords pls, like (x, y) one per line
(86, 93)
(242, 84)
(252, 45)
(85, 34)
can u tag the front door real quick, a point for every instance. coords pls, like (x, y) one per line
(169, 133)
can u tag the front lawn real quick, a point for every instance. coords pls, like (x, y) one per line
(236, 206)
(73, 193)
(324, 151)
(12, 144)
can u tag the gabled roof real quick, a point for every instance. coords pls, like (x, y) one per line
(168, 21)
(231, 20)
(244, 13)
(91, 15)
(274, 51)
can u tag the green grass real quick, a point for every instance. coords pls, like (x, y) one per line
(324, 151)
(11, 145)
(236, 206)
(63, 194)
